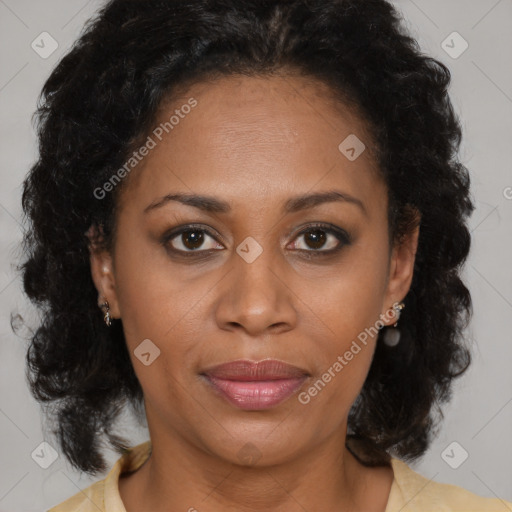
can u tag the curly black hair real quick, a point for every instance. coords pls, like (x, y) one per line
(101, 100)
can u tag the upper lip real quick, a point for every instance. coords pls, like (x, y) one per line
(245, 370)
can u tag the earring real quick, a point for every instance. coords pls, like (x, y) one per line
(106, 310)
(391, 336)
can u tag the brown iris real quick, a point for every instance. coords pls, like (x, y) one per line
(192, 239)
(315, 239)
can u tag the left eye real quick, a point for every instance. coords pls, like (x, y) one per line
(316, 238)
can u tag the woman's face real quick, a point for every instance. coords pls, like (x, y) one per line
(256, 278)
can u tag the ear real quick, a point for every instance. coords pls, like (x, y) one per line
(401, 268)
(102, 271)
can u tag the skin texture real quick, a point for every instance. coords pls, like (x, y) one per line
(254, 143)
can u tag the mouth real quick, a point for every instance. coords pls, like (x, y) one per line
(255, 385)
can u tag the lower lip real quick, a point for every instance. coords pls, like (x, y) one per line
(256, 395)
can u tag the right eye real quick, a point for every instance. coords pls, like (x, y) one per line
(191, 239)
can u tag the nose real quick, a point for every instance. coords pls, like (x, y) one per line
(257, 297)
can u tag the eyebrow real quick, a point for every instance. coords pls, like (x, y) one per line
(302, 202)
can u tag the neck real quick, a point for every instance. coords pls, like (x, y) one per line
(181, 476)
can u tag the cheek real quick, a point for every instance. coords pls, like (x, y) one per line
(159, 305)
(152, 299)
(349, 308)
(351, 300)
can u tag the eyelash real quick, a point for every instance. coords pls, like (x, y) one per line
(343, 238)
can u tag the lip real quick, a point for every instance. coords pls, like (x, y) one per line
(245, 370)
(254, 385)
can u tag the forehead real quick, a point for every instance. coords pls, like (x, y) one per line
(260, 136)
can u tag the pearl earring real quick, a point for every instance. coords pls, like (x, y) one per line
(391, 336)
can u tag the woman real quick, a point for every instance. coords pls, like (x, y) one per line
(248, 223)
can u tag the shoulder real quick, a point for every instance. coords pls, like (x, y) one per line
(103, 496)
(90, 499)
(412, 492)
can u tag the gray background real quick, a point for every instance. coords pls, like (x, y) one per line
(479, 418)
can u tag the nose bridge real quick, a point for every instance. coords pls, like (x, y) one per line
(256, 296)
(255, 265)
